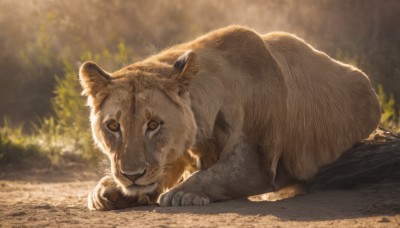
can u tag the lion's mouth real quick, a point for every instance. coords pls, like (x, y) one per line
(142, 186)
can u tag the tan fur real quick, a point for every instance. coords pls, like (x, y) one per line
(338, 106)
(254, 100)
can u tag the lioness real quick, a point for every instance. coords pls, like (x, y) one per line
(252, 112)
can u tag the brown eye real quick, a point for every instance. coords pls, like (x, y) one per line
(152, 125)
(113, 126)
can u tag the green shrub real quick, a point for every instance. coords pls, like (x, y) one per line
(390, 118)
(18, 151)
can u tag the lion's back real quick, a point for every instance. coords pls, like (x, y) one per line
(330, 105)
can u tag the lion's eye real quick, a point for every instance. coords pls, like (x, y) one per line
(113, 126)
(152, 125)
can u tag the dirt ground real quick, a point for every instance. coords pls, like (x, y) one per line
(58, 198)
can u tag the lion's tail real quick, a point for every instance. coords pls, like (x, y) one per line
(376, 159)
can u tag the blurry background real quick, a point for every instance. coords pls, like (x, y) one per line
(43, 42)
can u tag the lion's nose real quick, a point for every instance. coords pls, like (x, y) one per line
(133, 176)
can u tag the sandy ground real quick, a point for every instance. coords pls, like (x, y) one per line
(42, 199)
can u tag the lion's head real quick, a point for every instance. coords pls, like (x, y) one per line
(141, 117)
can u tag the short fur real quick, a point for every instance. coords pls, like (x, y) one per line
(256, 111)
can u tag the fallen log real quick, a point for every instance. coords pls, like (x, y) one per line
(374, 160)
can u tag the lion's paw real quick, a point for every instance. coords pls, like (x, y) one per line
(180, 197)
(108, 196)
(104, 195)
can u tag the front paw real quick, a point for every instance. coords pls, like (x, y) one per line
(181, 197)
(108, 196)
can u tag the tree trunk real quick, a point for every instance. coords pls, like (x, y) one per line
(374, 160)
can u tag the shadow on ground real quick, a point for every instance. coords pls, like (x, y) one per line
(373, 200)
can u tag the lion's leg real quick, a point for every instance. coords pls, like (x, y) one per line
(286, 186)
(290, 190)
(239, 174)
(108, 196)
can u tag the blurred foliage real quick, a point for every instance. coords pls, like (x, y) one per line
(44, 42)
(390, 118)
(17, 151)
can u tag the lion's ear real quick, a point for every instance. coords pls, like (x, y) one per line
(93, 79)
(187, 66)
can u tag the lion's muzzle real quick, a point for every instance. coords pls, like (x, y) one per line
(133, 176)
